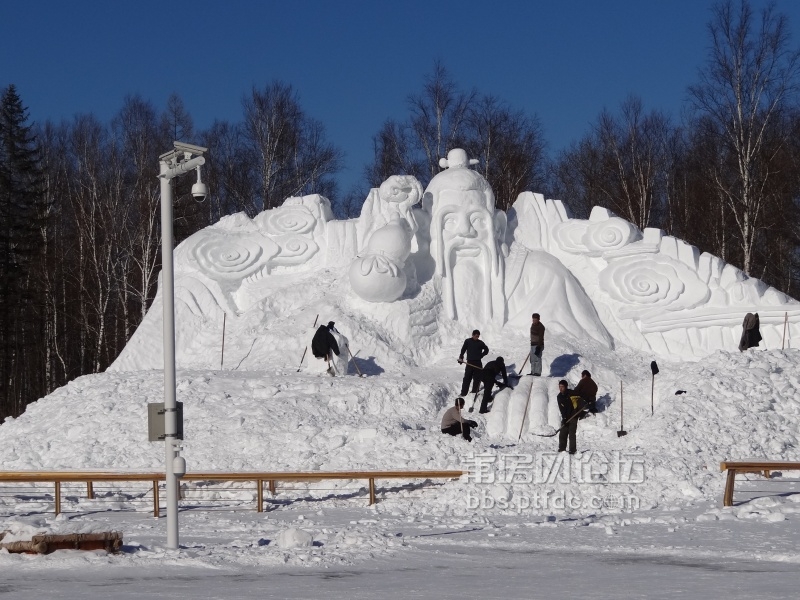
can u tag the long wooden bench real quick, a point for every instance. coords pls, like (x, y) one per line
(89, 477)
(764, 467)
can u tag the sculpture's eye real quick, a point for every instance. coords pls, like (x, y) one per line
(450, 222)
(478, 221)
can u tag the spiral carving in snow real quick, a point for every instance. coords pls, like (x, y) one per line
(287, 219)
(652, 282)
(232, 256)
(612, 234)
(569, 235)
(401, 189)
(294, 249)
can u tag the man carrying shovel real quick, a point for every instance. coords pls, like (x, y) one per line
(475, 350)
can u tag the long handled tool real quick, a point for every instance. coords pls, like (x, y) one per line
(621, 431)
(469, 364)
(555, 433)
(524, 362)
(475, 399)
(654, 369)
(222, 355)
(525, 414)
(785, 323)
(306, 350)
(353, 358)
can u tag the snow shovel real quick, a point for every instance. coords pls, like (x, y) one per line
(306, 350)
(331, 366)
(355, 364)
(654, 369)
(524, 362)
(525, 414)
(475, 399)
(555, 433)
(621, 431)
(470, 365)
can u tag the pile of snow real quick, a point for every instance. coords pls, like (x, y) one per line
(736, 405)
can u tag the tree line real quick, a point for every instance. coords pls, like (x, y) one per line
(79, 199)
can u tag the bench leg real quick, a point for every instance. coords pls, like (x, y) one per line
(89, 490)
(272, 487)
(156, 508)
(58, 497)
(371, 492)
(260, 496)
(727, 499)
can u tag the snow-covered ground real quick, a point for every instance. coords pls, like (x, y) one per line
(630, 513)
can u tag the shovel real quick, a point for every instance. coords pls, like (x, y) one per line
(621, 431)
(654, 369)
(355, 364)
(304, 351)
(524, 362)
(475, 399)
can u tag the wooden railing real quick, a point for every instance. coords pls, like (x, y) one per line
(764, 467)
(90, 477)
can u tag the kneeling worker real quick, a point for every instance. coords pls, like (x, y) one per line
(490, 373)
(454, 424)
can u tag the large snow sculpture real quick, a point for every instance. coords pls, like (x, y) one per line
(452, 264)
(378, 274)
(467, 241)
(655, 292)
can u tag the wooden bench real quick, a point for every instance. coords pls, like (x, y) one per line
(88, 477)
(764, 467)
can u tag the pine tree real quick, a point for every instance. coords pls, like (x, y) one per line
(20, 195)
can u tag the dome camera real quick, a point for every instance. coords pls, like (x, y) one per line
(199, 189)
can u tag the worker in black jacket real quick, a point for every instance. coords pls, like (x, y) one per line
(475, 350)
(323, 342)
(489, 376)
(571, 405)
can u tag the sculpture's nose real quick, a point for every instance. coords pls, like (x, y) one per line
(465, 228)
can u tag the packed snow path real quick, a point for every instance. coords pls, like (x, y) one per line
(525, 409)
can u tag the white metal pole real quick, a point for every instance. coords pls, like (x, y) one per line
(168, 298)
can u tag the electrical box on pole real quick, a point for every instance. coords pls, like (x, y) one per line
(155, 421)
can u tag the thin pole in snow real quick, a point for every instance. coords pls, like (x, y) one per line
(785, 324)
(222, 356)
(621, 431)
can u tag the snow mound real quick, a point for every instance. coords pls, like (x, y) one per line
(736, 406)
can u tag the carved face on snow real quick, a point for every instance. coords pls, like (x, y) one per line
(467, 240)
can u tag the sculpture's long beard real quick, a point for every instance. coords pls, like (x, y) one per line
(467, 281)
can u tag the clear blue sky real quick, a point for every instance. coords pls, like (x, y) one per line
(354, 63)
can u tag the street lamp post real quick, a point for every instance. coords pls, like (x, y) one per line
(183, 159)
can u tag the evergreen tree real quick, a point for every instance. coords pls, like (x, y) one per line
(20, 195)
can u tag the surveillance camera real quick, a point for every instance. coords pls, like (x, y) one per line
(191, 148)
(199, 191)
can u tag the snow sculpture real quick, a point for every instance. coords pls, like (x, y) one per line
(455, 258)
(467, 241)
(378, 275)
(655, 292)
(231, 256)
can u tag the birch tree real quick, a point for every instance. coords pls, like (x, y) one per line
(744, 89)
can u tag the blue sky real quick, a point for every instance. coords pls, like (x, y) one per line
(354, 63)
